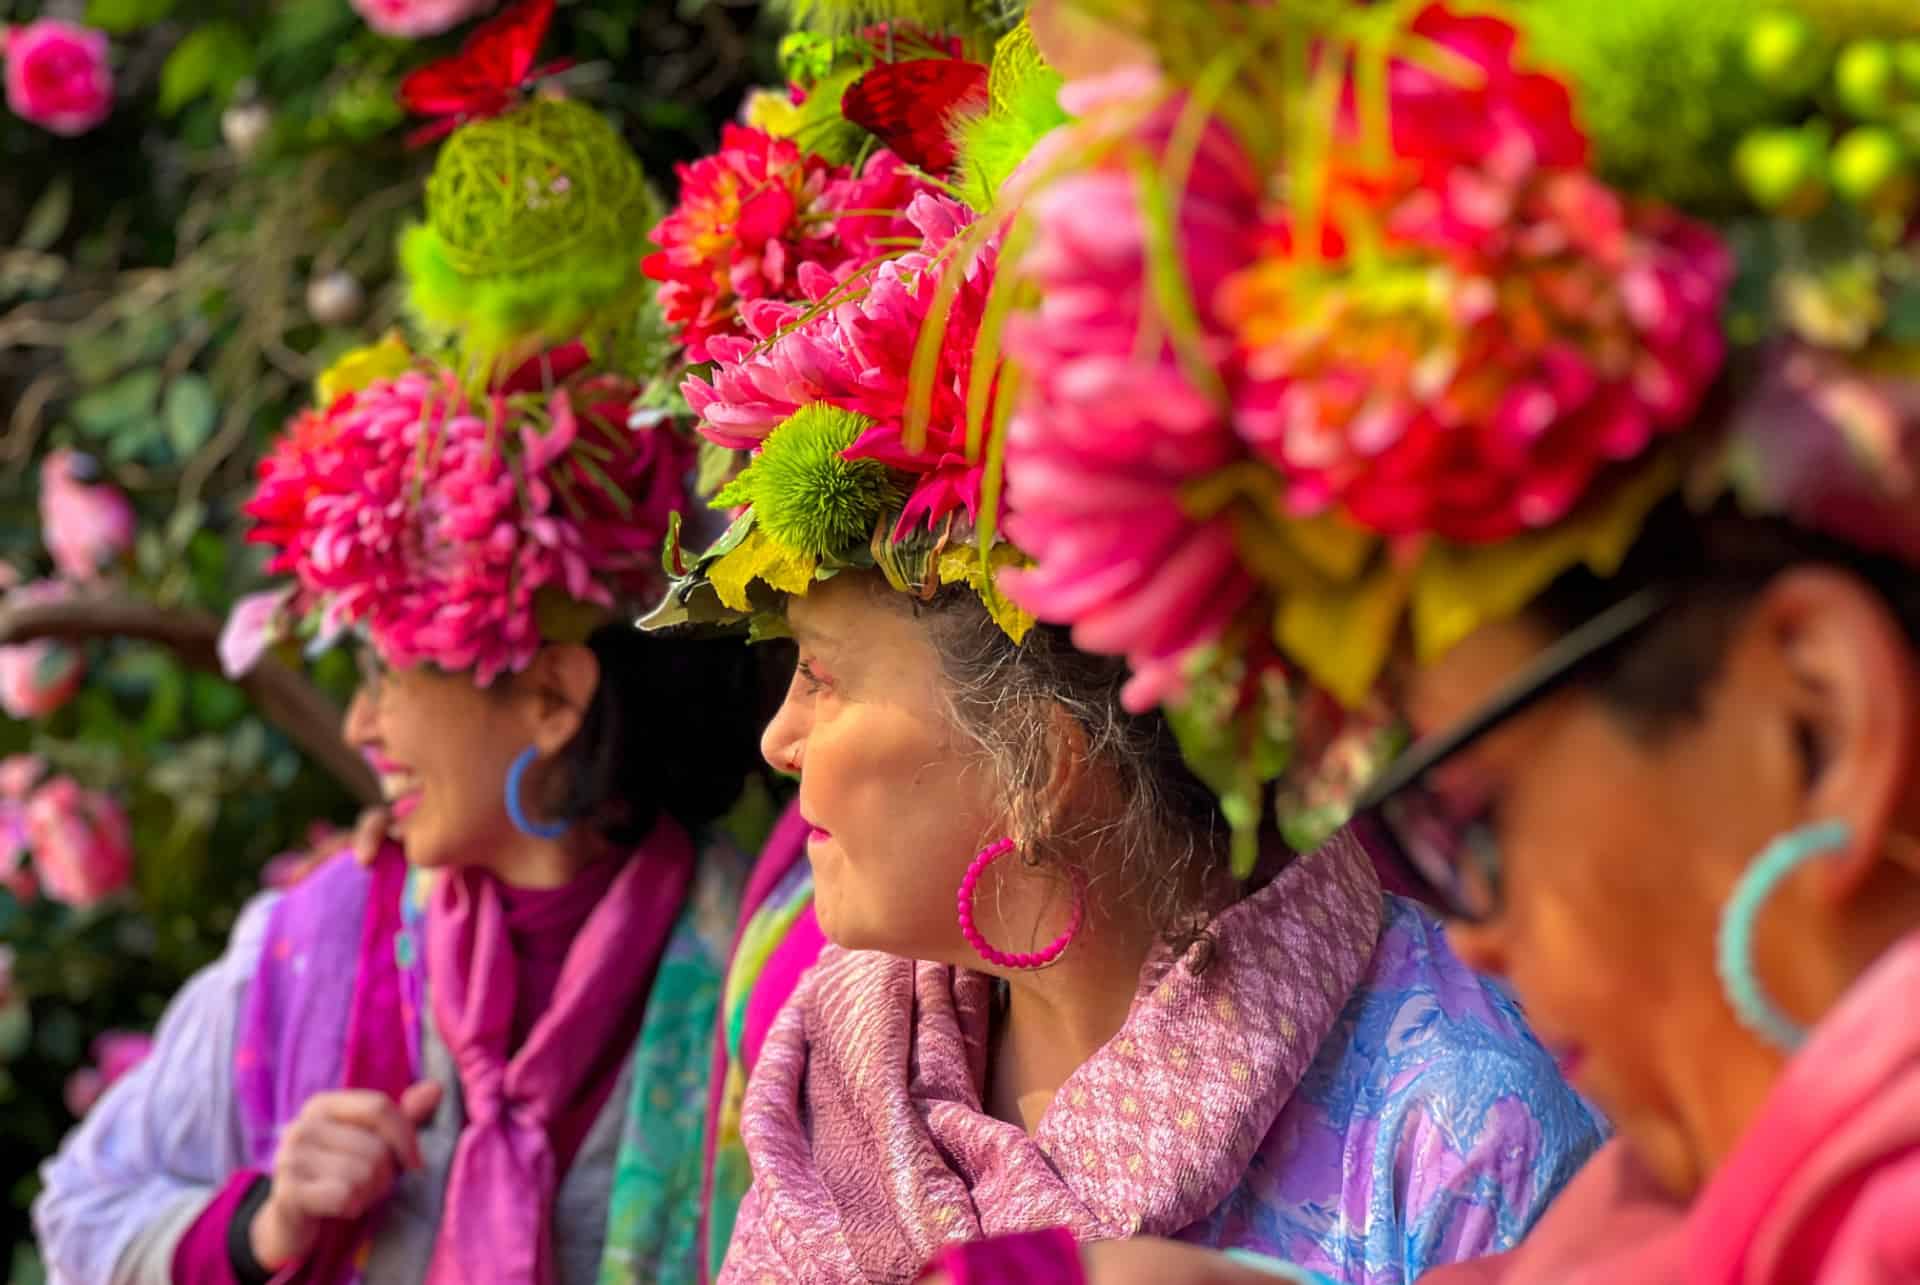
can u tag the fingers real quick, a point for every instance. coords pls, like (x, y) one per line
(420, 1101)
(379, 1115)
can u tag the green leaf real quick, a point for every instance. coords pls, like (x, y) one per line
(124, 402)
(117, 17)
(48, 218)
(305, 24)
(190, 412)
(211, 60)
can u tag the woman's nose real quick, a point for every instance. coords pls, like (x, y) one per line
(781, 741)
(363, 723)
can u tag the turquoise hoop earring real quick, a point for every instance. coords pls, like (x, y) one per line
(1752, 1004)
(516, 813)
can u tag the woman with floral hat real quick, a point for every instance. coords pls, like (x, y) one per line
(485, 1060)
(1055, 989)
(1623, 523)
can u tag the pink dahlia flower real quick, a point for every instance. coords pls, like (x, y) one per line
(57, 75)
(412, 19)
(857, 355)
(82, 845)
(1109, 435)
(1522, 325)
(753, 214)
(437, 526)
(87, 524)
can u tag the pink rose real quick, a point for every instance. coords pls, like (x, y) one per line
(39, 677)
(57, 75)
(114, 1054)
(86, 523)
(415, 18)
(19, 773)
(16, 853)
(117, 1052)
(254, 625)
(82, 845)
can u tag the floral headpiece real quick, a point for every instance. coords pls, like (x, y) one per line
(1349, 327)
(839, 294)
(465, 531)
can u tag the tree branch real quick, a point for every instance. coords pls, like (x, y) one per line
(283, 696)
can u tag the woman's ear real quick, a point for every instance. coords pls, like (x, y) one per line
(1067, 767)
(1853, 693)
(561, 683)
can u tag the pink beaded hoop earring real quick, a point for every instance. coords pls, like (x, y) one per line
(1011, 959)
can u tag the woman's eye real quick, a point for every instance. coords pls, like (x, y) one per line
(814, 683)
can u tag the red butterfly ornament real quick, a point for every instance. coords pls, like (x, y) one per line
(486, 77)
(910, 105)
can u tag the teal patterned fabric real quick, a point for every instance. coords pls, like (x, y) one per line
(653, 1216)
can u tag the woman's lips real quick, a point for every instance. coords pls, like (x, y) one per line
(816, 835)
(404, 806)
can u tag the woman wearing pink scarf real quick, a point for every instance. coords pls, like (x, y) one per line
(1629, 538)
(483, 1057)
(1051, 994)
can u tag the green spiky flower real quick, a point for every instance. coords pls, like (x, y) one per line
(838, 17)
(1023, 103)
(805, 493)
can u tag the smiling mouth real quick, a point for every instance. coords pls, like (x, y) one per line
(400, 791)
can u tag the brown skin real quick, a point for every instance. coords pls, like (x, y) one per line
(900, 802)
(1620, 851)
(448, 742)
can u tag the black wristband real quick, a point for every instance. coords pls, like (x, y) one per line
(240, 1234)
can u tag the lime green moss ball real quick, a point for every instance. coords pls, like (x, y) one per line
(1662, 87)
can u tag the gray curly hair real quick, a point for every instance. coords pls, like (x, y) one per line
(1164, 845)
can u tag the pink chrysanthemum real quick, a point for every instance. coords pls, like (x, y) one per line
(857, 355)
(437, 526)
(1518, 326)
(752, 215)
(1109, 434)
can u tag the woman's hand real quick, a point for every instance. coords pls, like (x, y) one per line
(370, 833)
(340, 1155)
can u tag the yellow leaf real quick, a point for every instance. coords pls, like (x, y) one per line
(1343, 636)
(960, 564)
(758, 558)
(355, 369)
(1460, 588)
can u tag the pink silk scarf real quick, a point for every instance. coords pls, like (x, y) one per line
(500, 1190)
(871, 1148)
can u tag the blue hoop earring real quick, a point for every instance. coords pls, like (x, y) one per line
(517, 814)
(1752, 1004)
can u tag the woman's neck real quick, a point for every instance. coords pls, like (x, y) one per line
(538, 864)
(1059, 1017)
